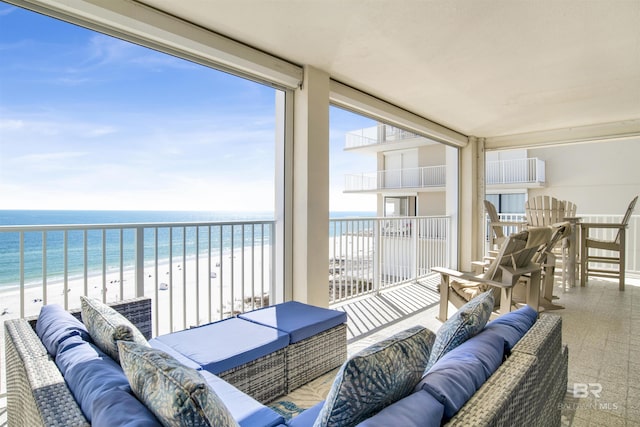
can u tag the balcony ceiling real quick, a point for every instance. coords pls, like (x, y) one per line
(485, 68)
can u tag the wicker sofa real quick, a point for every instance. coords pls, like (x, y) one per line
(529, 387)
(39, 396)
(525, 390)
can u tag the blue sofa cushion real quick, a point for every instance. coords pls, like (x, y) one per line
(465, 323)
(106, 326)
(419, 409)
(513, 325)
(121, 408)
(220, 346)
(299, 320)
(177, 395)
(88, 372)
(376, 377)
(247, 411)
(454, 378)
(307, 417)
(55, 324)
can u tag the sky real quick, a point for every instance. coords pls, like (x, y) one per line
(88, 121)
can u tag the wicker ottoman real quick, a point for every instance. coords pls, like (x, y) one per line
(318, 338)
(248, 355)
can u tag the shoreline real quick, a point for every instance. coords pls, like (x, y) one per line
(224, 291)
(186, 297)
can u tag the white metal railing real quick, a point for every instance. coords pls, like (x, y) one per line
(379, 134)
(194, 272)
(355, 139)
(632, 235)
(392, 133)
(515, 171)
(422, 177)
(370, 254)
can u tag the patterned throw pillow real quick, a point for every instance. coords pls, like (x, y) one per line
(464, 324)
(376, 377)
(177, 395)
(106, 326)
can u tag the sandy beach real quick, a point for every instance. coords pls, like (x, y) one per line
(198, 296)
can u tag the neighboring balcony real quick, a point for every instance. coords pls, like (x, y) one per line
(516, 172)
(383, 137)
(424, 177)
(520, 173)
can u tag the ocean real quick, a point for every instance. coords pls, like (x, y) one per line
(55, 260)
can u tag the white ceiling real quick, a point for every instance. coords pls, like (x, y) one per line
(484, 68)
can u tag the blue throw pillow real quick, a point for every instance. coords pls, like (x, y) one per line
(454, 378)
(106, 326)
(55, 324)
(88, 372)
(513, 325)
(465, 323)
(177, 395)
(121, 408)
(376, 377)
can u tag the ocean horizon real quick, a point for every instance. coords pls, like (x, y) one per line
(33, 241)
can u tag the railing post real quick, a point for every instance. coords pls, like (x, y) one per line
(377, 258)
(139, 261)
(415, 229)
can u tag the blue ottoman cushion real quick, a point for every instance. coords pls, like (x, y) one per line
(247, 411)
(220, 346)
(297, 319)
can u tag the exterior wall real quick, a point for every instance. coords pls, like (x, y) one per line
(431, 203)
(601, 178)
(492, 156)
(431, 155)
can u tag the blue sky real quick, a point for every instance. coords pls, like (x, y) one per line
(91, 122)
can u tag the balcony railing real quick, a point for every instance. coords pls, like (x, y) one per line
(194, 272)
(423, 177)
(515, 171)
(379, 134)
(632, 235)
(370, 254)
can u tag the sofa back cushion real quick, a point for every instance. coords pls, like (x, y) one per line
(455, 377)
(55, 324)
(91, 375)
(513, 325)
(120, 408)
(176, 394)
(106, 326)
(376, 377)
(464, 324)
(419, 409)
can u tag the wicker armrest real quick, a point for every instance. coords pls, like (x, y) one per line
(37, 394)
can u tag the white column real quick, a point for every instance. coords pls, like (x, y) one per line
(452, 206)
(471, 202)
(311, 190)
